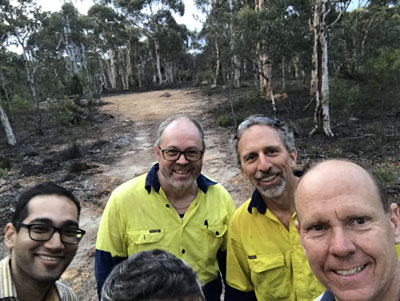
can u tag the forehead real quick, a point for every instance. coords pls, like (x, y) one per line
(181, 132)
(54, 207)
(338, 186)
(259, 136)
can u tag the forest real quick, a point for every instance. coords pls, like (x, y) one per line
(66, 61)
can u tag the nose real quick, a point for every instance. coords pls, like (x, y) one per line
(55, 242)
(263, 163)
(341, 243)
(182, 159)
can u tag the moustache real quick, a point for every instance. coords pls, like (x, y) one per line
(273, 171)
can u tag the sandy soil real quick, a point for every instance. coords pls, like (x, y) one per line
(132, 135)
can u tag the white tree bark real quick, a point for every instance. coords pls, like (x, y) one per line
(217, 64)
(7, 127)
(320, 75)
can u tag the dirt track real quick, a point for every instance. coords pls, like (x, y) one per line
(131, 136)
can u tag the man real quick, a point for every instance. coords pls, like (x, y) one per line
(43, 237)
(265, 260)
(349, 229)
(173, 207)
(152, 275)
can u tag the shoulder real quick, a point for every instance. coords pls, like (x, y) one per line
(65, 292)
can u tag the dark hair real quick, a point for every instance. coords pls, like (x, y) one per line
(152, 275)
(21, 210)
(376, 179)
(285, 133)
(169, 120)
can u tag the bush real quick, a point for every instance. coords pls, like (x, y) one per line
(224, 121)
(21, 104)
(387, 175)
(345, 96)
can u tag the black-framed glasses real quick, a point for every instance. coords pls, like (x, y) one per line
(43, 232)
(190, 155)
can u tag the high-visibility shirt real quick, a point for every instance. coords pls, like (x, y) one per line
(266, 257)
(138, 216)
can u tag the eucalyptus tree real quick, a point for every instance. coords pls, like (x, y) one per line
(151, 16)
(111, 39)
(11, 140)
(320, 75)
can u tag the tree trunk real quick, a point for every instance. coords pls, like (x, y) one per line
(217, 64)
(264, 63)
(320, 71)
(111, 72)
(5, 89)
(7, 127)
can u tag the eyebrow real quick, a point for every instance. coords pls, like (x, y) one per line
(44, 220)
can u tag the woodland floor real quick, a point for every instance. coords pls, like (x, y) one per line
(117, 145)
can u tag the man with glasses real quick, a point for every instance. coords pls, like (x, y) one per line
(43, 237)
(173, 207)
(265, 260)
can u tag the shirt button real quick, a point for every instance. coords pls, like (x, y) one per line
(216, 233)
(167, 205)
(183, 251)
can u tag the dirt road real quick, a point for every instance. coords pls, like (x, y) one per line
(131, 135)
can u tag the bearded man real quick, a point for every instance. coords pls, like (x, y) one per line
(265, 260)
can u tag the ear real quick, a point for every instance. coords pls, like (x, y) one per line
(297, 225)
(293, 156)
(395, 221)
(156, 152)
(10, 235)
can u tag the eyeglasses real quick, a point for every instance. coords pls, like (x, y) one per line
(42, 232)
(190, 155)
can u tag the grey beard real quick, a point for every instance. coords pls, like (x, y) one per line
(273, 192)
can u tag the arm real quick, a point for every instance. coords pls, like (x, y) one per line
(110, 246)
(103, 265)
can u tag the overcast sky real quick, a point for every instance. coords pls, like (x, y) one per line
(84, 5)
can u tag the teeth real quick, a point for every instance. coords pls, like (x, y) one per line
(49, 258)
(181, 172)
(269, 178)
(349, 272)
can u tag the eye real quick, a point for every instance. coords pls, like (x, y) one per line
(250, 157)
(171, 152)
(317, 228)
(70, 232)
(359, 221)
(40, 228)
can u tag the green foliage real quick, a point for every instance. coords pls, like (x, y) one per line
(387, 174)
(224, 121)
(345, 96)
(19, 157)
(65, 112)
(251, 96)
(20, 104)
(3, 172)
(384, 70)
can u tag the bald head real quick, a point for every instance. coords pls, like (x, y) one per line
(331, 178)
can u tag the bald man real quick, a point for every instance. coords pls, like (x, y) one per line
(349, 231)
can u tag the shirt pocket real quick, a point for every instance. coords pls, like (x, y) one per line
(213, 237)
(140, 240)
(270, 276)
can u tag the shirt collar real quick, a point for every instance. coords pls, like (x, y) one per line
(328, 296)
(257, 200)
(152, 180)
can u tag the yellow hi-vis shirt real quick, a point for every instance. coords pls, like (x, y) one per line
(137, 217)
(265, 257)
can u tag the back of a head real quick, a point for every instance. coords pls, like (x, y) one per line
(154, 275)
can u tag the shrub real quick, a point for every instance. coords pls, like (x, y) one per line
(224, 121)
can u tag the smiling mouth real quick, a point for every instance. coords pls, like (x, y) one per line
(350, 272)
(181, 172)
(49, 258)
